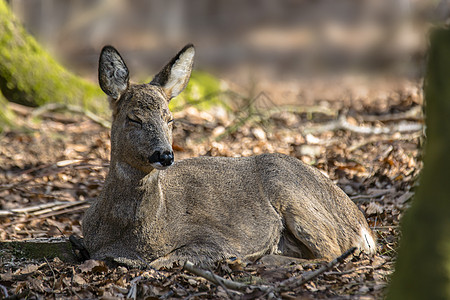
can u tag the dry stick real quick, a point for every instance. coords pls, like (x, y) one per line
(28, 209)
(53, 272)
(229, 294)
(357, 269)
(58, 207)
(304, 278)
(56, 168)
(342, 123)
(362, 198)
(415, 113)
(22, 295)
(4, 290)
(52, 214)
(232, 285)
(71, 108)
(285, 285)
(41, 208)
(132, 293)
(374, 139)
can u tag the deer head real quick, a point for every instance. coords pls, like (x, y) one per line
(141, 133)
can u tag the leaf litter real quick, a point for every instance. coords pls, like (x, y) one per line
(50, 175)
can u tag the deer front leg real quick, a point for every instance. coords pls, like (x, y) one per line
(203, 254)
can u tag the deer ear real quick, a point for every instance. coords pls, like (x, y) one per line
(174, 77)
(113, 74)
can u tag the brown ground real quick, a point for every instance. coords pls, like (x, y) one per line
(64, 159)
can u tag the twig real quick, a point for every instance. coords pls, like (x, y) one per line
(56, 213)
(342, 123)
(132, 293)
(4, 290)
(361, 198)
(232, 285)
(408, 137)
(285, 285)
(21, 295)
(41, 208)
(71, 108)
(221, 284)
(414, 113)
(382, 228)
(195, 295)
(55, 168)
(357, 269)
(28, 209)
(58, 207)
(304, 278)
(53, 272)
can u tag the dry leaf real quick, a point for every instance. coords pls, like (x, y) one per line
(77, 279)
(93, 266)
(374, 208)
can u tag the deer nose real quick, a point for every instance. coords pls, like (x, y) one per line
(165, 158)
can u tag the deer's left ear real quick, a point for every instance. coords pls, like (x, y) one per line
(174, 77)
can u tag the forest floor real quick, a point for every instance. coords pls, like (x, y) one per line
(50, 174)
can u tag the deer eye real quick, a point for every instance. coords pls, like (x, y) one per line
(170, 121)
(134, 121)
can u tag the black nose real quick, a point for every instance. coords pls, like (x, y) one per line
(165, 158)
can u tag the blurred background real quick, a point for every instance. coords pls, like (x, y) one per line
(339, 53)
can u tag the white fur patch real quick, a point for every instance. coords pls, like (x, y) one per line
(367, 243)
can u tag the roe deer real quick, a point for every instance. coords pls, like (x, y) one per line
(152, 210)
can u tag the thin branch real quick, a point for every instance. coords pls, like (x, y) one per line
(362, 198)
(415, 113)
(232, 285)
(4, 291)
(40, 209)
(53, 272)
(342, 124)
(304, 278)
(132, 293)
(357, 269)
(230, 295)
(51, 214)
(374, 139)
(270, 291)
(73, 109)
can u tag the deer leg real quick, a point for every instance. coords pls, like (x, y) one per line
(205, 254)
(316, 234)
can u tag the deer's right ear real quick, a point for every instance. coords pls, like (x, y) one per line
(113, 74)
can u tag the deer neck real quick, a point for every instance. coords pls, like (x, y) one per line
(126, 180)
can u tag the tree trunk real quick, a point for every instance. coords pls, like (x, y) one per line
(30, 76)
(423, 265)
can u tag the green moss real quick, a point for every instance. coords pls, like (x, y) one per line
(35, 249)
(6, 114)
(203, 92)
(30, 76)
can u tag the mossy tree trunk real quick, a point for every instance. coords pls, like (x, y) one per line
(423, 265)
(30, 76)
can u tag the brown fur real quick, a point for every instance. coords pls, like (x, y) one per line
(206, 208)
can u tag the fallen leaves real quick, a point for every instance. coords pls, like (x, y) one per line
(48, 178)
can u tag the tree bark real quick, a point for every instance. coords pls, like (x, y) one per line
(30, 76)
(423, 265)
